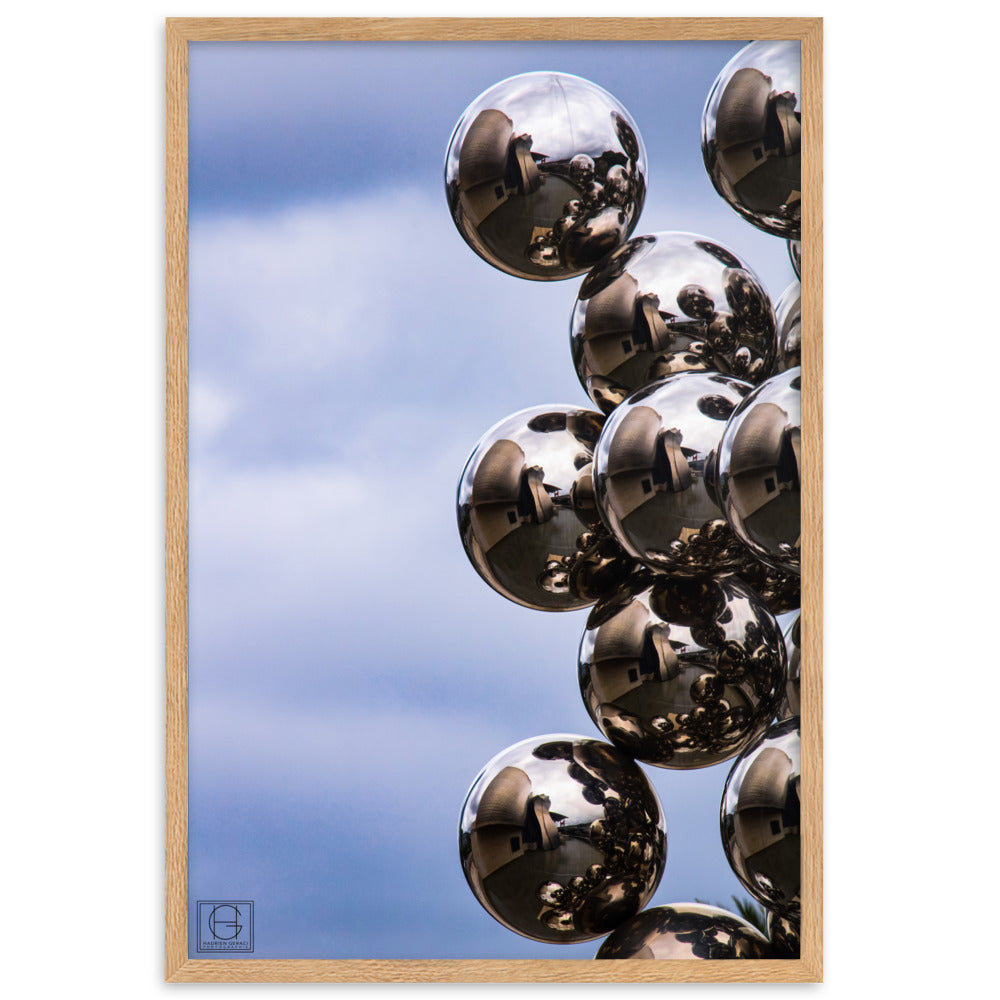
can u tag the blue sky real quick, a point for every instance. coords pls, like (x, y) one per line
(350, 672)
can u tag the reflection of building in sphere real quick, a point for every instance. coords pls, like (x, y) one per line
(651, 464)
(620, 322)
(509, 821)
(767, 808)
(494, 164)
(758, 137)
(665, 304)
(506, 493)
(760, 818)
(752, 136)
(545, 175)
(683, 674)
(562, 838)
(647, 459)
(765, 458)
(759, 477)
(685, 930)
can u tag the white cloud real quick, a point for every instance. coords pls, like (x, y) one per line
(380, 298)
(210, 408)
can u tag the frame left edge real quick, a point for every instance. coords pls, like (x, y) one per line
(176, 520)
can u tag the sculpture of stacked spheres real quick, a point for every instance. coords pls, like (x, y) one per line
(686, 930)
(758, 476)
(562, 838)
(672, 511)
(684, 674)
(545, 175)
(751, 136)
(668, 303)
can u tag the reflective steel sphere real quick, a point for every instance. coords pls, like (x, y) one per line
(760, 818)
(785, 933)
(526, 511)
(795, 256)
(545, 175)
(751, 136)
(562, 838)
(788, 313)
(668, 303)
(685, 930)
(780, 591)
(653, 465)
(759, 468)
(684, 674)
(791, 705)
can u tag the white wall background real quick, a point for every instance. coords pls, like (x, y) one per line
(910, 384)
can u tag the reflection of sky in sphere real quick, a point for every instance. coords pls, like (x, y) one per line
(563, 114)
(673, 261)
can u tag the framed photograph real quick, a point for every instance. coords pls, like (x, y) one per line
(494, 500)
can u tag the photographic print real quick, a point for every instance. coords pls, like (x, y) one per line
(494, 479)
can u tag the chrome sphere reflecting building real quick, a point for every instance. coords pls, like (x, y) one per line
(653, 470)
(760, 818)
(562, 838)
(526, 511)
(759, 471)
(788, 313)
(795, 256)
(667, 303)
(785, 933)
(751, 136)
(684, 674)
(545, 175)
(686, 930)
(780, 591)
(792, 702)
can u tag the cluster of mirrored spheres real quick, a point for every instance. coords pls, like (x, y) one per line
(671, 509)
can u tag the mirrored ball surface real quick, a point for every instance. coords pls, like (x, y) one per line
(795, 256)
(759, 471)
(780, 591)
(545, 175)
(785, 933)
(685, 673)
(526, 514)
(751, 136)
(562, 838)
(788, 313)
(652, 474)
(760, 818)
(685, 930)
(791, 705)
(666, 303)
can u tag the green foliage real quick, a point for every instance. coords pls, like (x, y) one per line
(751, 912)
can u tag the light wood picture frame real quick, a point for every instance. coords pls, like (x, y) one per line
(179, 34)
